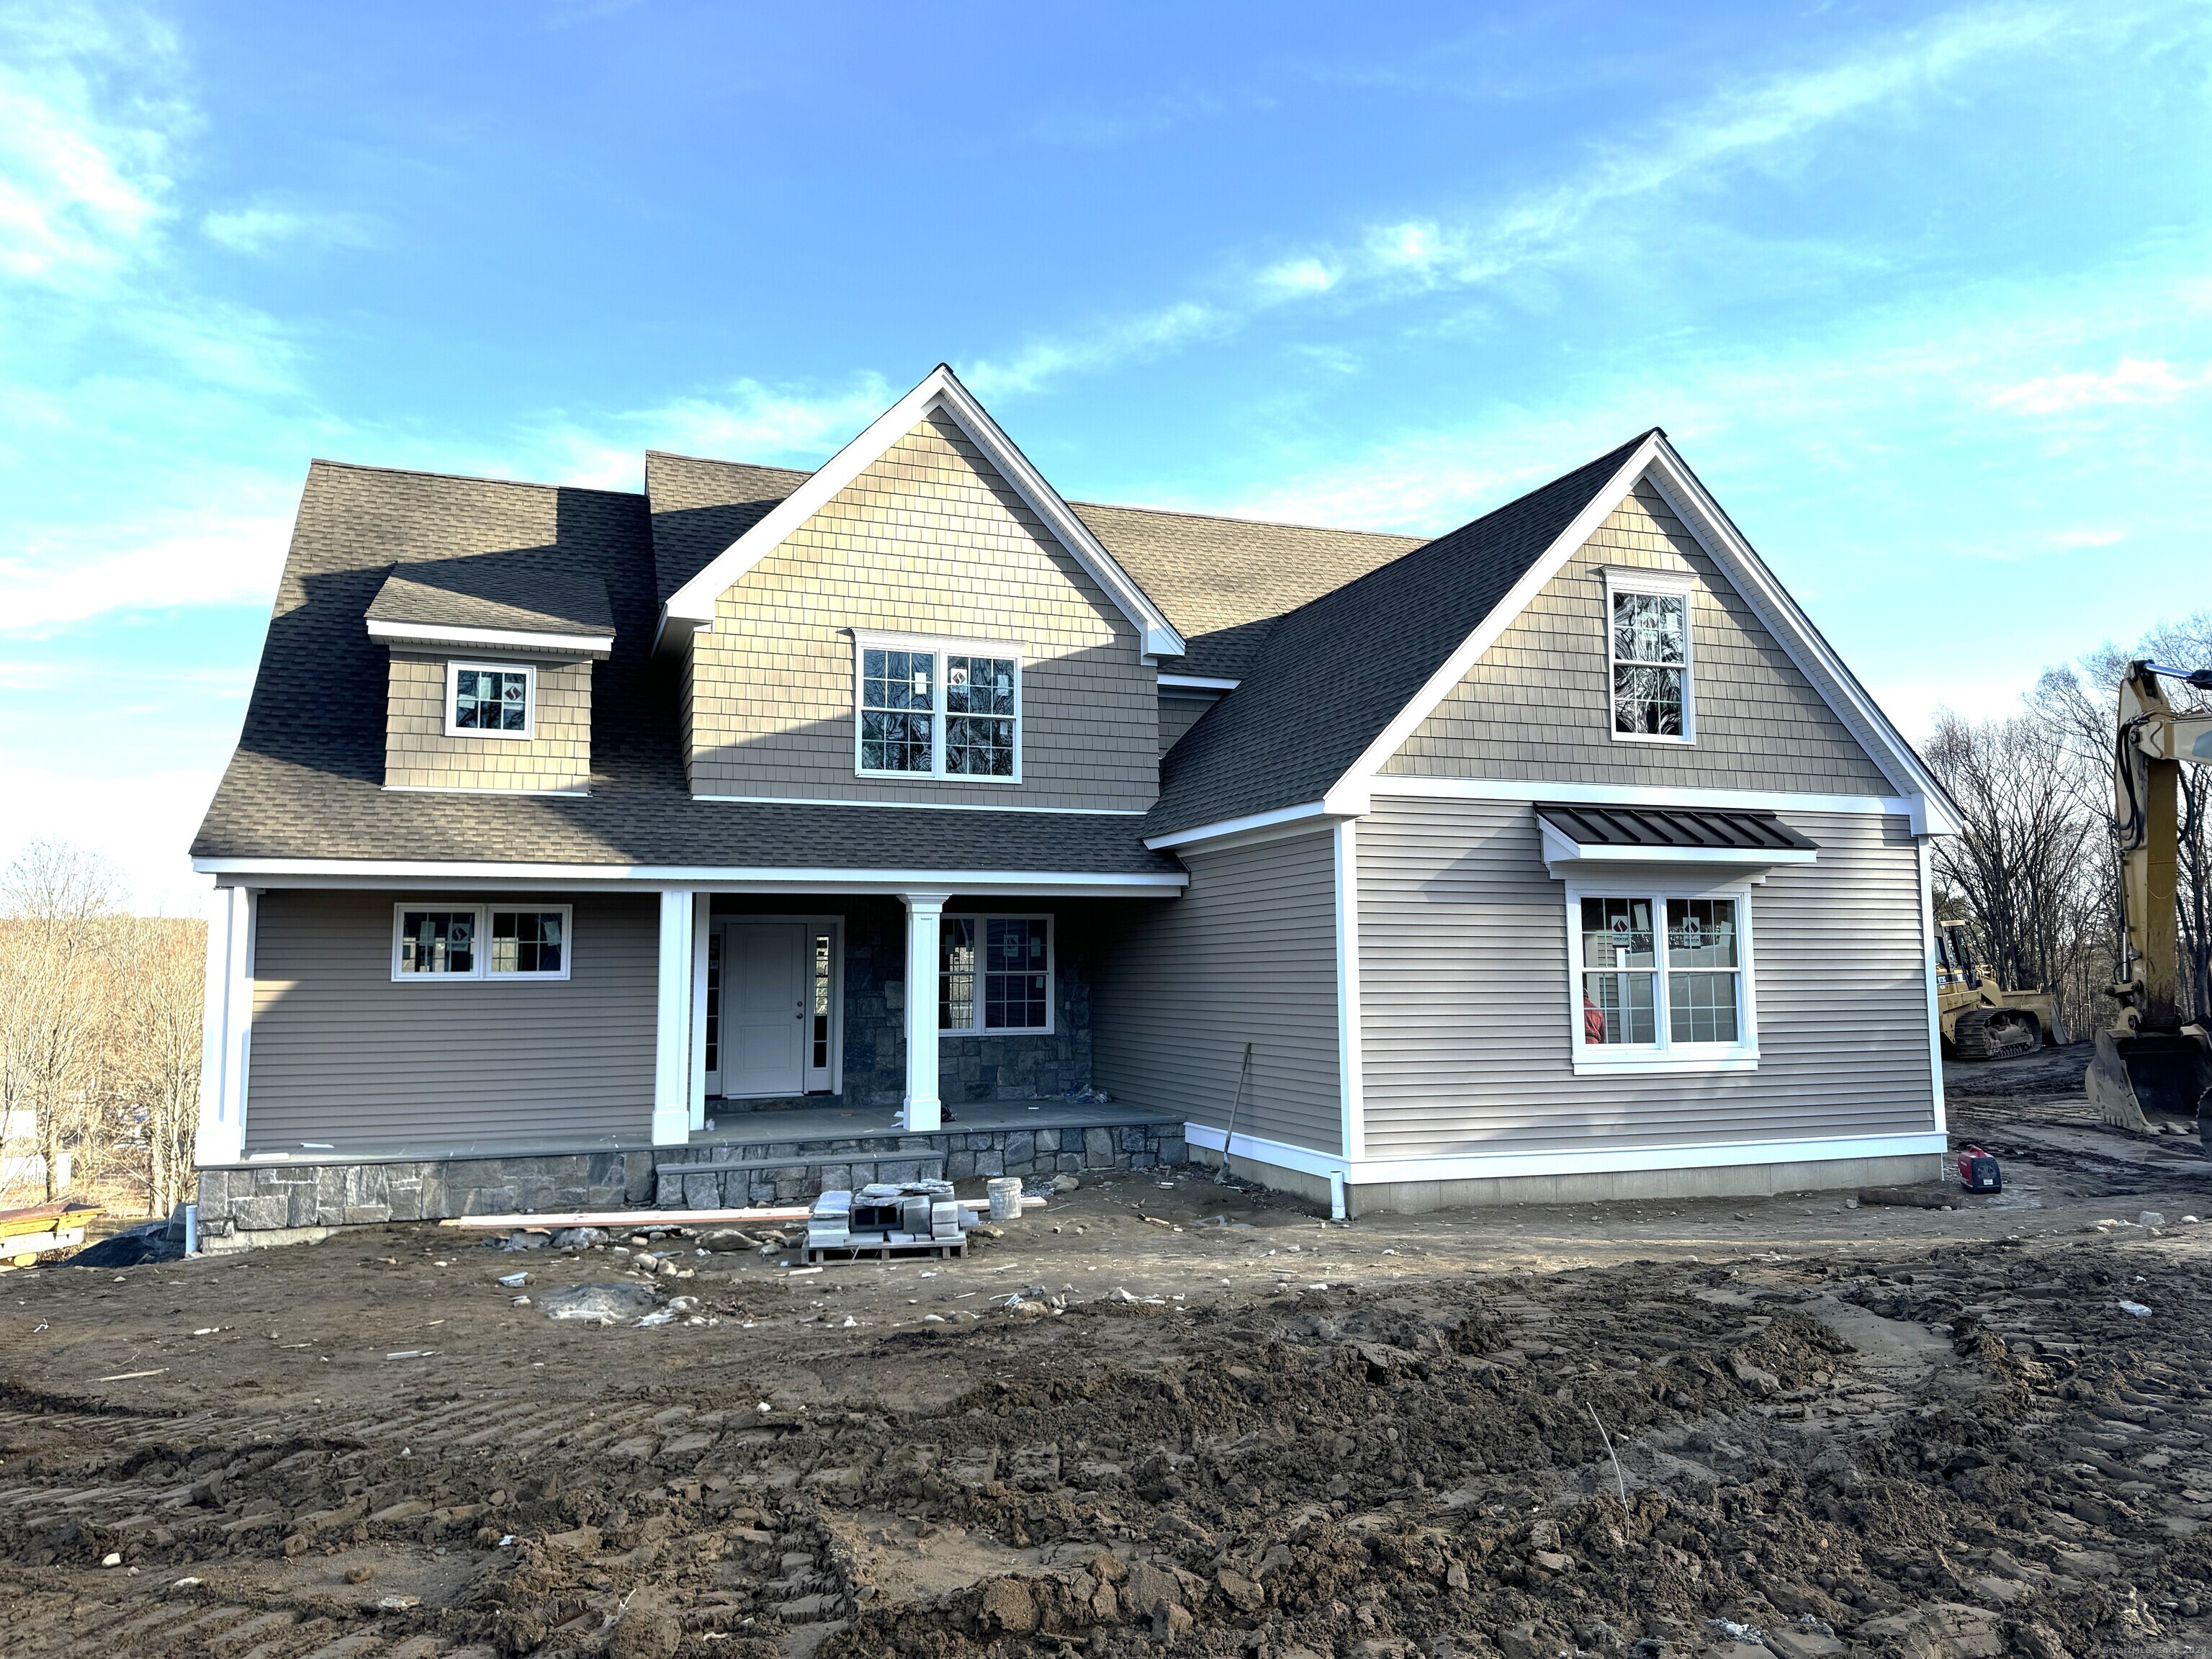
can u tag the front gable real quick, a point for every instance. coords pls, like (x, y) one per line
(930, 541)
(1536, 706)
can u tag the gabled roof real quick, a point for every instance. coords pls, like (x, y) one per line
(700, 507)
(1343, 682)
(1333, 673)
(940, 390)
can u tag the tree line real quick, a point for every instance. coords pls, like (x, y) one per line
(2035, 870)
(100, 1035)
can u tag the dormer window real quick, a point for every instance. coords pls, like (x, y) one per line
(939, 709)
(1648, 651)
(483, 700)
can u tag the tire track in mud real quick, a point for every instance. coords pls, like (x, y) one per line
(1975, 1452)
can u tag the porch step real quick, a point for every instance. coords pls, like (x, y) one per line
(789, 1162)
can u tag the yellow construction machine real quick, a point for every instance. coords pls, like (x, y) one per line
(1982, 1018)
(2154, 1065)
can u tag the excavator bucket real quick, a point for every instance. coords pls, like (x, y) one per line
(2163, 1075)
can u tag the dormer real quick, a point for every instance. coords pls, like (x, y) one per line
(490, 680)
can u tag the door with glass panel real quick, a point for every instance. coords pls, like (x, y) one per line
(773, 1025)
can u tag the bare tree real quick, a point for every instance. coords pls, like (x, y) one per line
(54, 899)
(2016, 867)
(154, 1046)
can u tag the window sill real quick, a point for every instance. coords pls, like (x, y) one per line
(1690, 742)
(932, 777)
(1652, 1064)
(969, 1032)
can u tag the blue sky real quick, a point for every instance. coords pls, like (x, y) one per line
(1924, 294)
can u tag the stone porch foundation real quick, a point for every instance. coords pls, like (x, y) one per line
(266, 1198)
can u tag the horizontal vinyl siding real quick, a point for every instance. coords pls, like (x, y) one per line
(1466, 1005)
(341, 1053)
(1247, 954)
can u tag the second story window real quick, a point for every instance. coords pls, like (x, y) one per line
(487, 700)
(1648, 648)
(939, 709)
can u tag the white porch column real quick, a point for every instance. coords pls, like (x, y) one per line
(225, 1026)
(703, 911)
(923, 1109)
(671, 1047)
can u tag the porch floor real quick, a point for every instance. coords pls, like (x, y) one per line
(971, 1117)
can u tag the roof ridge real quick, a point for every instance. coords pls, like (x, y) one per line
(1262, 524)
(315, 461)
(723, 460)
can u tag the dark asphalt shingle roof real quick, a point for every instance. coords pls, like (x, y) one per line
(1332, 674)
(1672, 827)
(307, 781)
(491, 591)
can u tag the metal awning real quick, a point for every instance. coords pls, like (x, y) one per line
(1582, 837)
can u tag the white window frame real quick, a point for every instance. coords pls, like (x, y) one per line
(1664, 1055)
(981, 918)
(938, 647)
(1655, 584)
(527, 670)
(482, 971)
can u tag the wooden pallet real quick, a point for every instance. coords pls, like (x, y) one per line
(941, 1249)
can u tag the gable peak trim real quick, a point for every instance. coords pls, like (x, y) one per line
(693, 604)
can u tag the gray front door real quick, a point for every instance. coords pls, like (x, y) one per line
(764, 1013)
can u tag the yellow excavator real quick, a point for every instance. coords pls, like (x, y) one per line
(2154, 1065)
(1981, 1018)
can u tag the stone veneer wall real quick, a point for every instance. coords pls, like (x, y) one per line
(266, 1197)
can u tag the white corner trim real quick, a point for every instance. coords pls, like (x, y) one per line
(1281, 815)
(1197, 683)
(940, 389)
(1357, 779)
(1351, 1071)
(929, 805)
(226, 1027)
(1934, 1004)
(512, 639)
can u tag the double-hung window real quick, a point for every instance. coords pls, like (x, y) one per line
(1648, 655)
(1663, 981)
(939, 709)
(490, 700)
(993, 974)
(435, 942)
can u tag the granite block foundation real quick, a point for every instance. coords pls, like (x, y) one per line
(242, 1199)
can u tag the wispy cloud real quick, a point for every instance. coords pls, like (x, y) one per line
(262, 228)
(745, 421)
(1148, 334)
(2131, 380)
(214, 561)
(82, 175)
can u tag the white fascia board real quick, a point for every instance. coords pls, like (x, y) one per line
(1281, 815)
(496, 639)
(1611, 1158)
(332, 872)
(693, 604)
(1352, 792)
(1807, 647)
(1197, 683)
(925, 805)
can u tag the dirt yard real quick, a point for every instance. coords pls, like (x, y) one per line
(1211, 1423)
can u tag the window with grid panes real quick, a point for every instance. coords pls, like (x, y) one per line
(1660, 973)
(994, 974)
(944, 712)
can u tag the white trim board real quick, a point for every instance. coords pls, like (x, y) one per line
(504, 638)
(1279, 816)
(1656, 459)
(929, 806)
(1197, 683)
(1609, 1159)
(337, 872)
(693, 604)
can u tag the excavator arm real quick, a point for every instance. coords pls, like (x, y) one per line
(2151, 1060)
